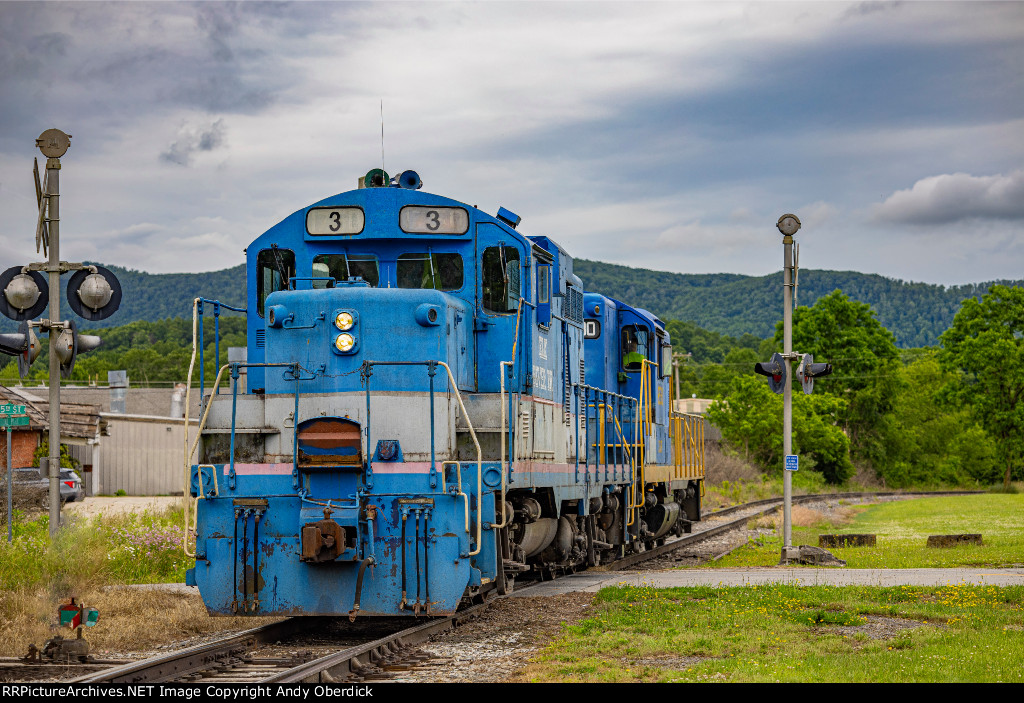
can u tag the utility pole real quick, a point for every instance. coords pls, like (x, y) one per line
(675, 370)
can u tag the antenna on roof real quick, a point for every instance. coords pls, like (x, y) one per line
(382, 135)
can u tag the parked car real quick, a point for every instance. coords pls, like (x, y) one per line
(70, 486)
(28, 475)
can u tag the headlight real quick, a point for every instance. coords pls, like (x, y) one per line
(344, 321)
(344, 342)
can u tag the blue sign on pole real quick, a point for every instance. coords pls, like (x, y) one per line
(792, 462)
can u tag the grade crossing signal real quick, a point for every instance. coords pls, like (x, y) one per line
(23, 344)
(775, 369)
(808, 371)
(70, 344)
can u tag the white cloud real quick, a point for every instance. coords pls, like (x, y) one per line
(956, 197)
(192, 138)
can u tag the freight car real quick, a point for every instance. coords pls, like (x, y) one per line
(431, 407)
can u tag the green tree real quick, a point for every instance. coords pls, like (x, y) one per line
(847, 334)
(936, 442)
(750, 419)
(985, 346)
(817, 435)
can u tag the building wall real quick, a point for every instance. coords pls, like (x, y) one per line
(23, 447)
(143, 456)
(138, 401)
(697, 406)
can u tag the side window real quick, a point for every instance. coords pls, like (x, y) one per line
(666, 360)
(499, 278)
(544, 294)
(342, 267)
(634, 347)
(427, 270)
(273, 269)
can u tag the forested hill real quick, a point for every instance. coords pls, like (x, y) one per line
(916, 313)
(732, 304)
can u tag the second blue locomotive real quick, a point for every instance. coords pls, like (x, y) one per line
(432, 406)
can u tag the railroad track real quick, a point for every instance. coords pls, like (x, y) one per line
(378, 655)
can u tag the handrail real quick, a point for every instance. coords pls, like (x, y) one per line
(197, 305)
(688, 445)
(190, 453)
(505, 519)
(479, 453)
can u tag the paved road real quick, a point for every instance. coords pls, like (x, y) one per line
(801, 576)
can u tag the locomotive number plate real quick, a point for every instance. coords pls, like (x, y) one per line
(419, 219)
(328, 221)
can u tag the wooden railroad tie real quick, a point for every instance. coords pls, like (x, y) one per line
(846, 540)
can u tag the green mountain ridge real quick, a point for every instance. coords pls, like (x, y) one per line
(728, 303)
(734, 304)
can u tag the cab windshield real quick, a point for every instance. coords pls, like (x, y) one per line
(429, 270)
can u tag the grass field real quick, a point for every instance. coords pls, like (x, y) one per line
(36, 575)
(793, 634)
(957, 633)
(902, 530)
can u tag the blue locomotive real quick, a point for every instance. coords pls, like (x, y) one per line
(431, 406)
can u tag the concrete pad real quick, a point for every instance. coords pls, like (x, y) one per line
(724, 578)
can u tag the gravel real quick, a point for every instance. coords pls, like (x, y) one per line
(496, 646)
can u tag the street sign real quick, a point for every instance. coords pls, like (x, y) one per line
(8, 421)
(792, 462)
(11, 409)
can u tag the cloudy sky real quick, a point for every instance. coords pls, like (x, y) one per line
(668, 136)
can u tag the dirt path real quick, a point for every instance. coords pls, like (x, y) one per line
(119, 505)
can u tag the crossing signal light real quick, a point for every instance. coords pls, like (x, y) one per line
(808, 371)
(23, 296)
(13, 344)
(94, 295)
(70, 344)
(775, 370)
(23, 344)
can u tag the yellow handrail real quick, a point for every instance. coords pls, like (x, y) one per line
(688, 445)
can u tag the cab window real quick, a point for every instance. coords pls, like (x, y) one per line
(274, 267)
(429, 270)
(634, 347)
(544, 295)
(342, 267)
(499, 276)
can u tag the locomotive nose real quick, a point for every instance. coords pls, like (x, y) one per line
(333, 332)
